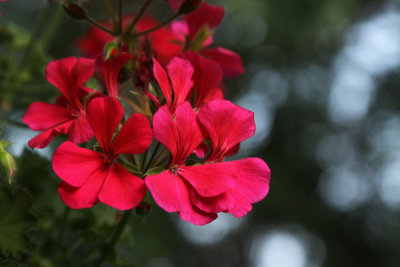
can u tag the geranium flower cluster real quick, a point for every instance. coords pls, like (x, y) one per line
(158, 120)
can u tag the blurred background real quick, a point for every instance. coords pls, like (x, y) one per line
(323, 80)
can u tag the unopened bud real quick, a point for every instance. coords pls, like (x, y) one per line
(74, 10)
(7, 164)
(188, 6)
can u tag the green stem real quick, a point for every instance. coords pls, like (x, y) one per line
(144, 160)
(117, 233)
(156, 27)
(152, 157)
(52, 28)
(139, 15)
(111, 13)
(94, 23)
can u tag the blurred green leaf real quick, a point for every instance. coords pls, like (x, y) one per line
(15, 220)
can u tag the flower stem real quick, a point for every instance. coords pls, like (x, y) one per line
(111, 13)
(139, 15)
(152, 157)
(94, 23)
(117, 233)
(156, 27)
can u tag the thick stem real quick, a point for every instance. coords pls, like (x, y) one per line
(139, 15)
(52, 28)
(117, 233)
(156, 27)
(94, 23)
(120, 18)
(111, 13)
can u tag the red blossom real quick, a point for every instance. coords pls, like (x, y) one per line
(89, 176)
(67, 116)
(199, 192)
(110, 69)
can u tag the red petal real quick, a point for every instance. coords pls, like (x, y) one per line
(42, 116)
(93, 43)
(171, 193)
(175, 4)
(215, 204)
(209, 180)
(44, 138)
(226, 125)
(164, 44)
(134, 137)
(205, 14)
(122, 190)
(252, 178)
(202, 150)
(207, 76)
(110, 70)
(230, 62)
(104, 115)
(74, 164)
(80, 130)
(86, 195)
(68, 75)
(163, 81)
(180, 72)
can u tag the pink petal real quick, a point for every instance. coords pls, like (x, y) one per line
(205, 14)
(226, 125)
(252, 178)
(80, 130)
(171, 193)
(181, 136)
(202, 150)
(215, 204)
(42, 116)
(110, 70)
(230, 62)
(134, 137)
(165, 130)
(180, 72)
(189, 133)
(84, 196)
(104, 115)
(68, 75)
(209, 180)
(207, 76)
(163, 81)
(122, 190)
(74, 164)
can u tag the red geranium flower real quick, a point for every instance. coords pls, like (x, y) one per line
(204, 87)
(110, 68)
(199, 192)
(67, 116)
(89, 176)
(202, 21)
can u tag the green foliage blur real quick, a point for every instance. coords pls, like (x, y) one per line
(334, 194)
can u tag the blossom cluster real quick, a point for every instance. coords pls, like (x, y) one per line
(159, 118)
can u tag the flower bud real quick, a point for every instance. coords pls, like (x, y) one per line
(74, 10)
(188, 6)
(7, 164)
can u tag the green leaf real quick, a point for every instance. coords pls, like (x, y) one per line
(155, 170)
(15, 220)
